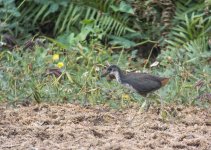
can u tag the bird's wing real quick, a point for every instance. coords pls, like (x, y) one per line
(145, 83)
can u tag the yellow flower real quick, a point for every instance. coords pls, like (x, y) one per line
(125, 97)
(55, 57)
(60, 64)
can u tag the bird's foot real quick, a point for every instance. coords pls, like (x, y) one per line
(145, 106)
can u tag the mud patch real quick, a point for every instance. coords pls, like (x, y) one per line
(71, 126)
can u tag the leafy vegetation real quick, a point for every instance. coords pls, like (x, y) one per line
(67, 16)
(39, 75)
(69, 42)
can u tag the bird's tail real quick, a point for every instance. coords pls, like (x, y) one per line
(164, 81)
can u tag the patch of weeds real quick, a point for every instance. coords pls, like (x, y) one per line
(56, 75)
(71, 73)
(189, 70)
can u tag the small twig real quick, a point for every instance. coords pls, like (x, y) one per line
(149, 56)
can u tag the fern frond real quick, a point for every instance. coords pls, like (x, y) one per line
(189, 29)
(66, 17)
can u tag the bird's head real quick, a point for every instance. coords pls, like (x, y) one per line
(112, 70)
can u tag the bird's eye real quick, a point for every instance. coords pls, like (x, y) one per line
(109, 69)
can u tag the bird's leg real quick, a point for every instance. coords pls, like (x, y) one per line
(161, 101)
(145, 106)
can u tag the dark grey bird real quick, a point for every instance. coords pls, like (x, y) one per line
(142, 83)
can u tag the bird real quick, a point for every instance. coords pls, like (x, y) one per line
(142, 83)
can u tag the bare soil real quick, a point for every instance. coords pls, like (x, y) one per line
(69, 126)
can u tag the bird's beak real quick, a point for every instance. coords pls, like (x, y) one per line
(105, 74)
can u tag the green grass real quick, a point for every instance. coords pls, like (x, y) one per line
(23, 77)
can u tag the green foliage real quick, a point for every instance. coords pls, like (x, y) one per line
(190, 24)
(80, 25)
(187, 59)
(66, 16)
(25, 75)
(8, 9)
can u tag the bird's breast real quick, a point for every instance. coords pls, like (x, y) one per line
(128, 86)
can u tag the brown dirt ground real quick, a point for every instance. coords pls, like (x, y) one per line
(69, 126)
